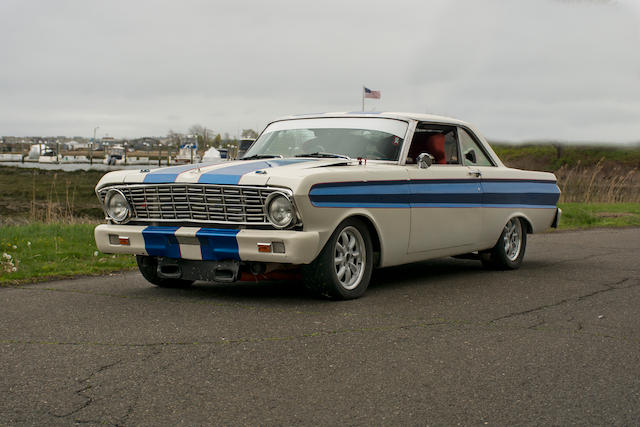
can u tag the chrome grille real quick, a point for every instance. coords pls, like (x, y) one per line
(195, 203)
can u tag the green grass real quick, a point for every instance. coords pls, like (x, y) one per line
(590, 215)
(46, 251)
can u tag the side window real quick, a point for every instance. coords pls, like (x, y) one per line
(472, 154)
(438, 140)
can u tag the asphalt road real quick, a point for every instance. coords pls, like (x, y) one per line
(440, 343)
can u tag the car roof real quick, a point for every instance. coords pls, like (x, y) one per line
(389, 115)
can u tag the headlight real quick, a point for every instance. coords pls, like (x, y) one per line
(280, 210)
(116, 205)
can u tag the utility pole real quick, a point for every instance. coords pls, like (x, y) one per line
(91, 145)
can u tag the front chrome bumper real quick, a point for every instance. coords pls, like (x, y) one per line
(198, 243)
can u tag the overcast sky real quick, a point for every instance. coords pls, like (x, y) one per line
(518, 70)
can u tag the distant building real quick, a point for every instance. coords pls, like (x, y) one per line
(76, 145)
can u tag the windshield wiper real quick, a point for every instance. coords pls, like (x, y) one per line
(263, 156)
(324, 155)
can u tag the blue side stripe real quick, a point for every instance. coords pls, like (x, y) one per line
(231, 175)
(520, 193)
(161, 241)
(436, 193)
(218, 243)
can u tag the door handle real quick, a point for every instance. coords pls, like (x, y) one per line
(475, 173)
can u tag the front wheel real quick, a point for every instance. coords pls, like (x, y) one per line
(148, 267)
(343, 268)
(508, 252)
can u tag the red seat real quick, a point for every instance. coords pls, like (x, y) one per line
(428, 143)
(435, 147)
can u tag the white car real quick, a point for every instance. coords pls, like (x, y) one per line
(335, 195)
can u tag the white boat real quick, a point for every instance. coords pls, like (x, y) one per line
(116, 155)
(39, 150)
(212, 156)
(188, 152)
(49, 157)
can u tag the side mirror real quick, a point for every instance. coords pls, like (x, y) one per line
(424, 160)
(471, 156)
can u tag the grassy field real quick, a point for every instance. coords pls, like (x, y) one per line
(34, 195)
(585, 174)
(36, 252)
(551, 157)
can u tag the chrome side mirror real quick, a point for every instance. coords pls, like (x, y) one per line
(425, 160)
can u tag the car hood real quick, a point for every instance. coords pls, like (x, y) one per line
(239, 172)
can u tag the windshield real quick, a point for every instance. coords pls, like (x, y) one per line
(371, 138)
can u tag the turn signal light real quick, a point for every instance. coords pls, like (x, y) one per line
(273, 247)
(114, 239)
(264, 247)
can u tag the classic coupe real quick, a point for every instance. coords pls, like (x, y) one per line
(331, 196)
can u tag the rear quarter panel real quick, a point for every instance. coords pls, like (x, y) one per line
(530, 195)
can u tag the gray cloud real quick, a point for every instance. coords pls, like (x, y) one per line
(518, 70)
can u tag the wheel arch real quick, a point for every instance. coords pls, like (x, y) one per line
(526, 221)
(373, 233)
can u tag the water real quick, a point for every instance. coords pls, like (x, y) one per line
(69, 167)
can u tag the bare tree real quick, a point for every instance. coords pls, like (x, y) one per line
(202, 133)
(249, 133)
(174, 138)
(196, 129)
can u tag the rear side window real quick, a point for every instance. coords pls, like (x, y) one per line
(472, 154)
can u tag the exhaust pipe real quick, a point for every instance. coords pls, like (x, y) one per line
(168, 269)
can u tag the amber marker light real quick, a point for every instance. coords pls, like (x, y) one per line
(264, 247)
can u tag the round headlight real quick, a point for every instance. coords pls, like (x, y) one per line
(116, 205)
(280, 210)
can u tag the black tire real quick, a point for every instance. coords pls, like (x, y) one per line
(508, 252)
(148, 267)
(324, 277)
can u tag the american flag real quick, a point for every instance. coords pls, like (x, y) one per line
(368, 93)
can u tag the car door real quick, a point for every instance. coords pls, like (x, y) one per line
(445, 198)
(492, 178)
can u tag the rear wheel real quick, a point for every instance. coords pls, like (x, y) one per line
(508, 252)
(343, 268)
(148, 267)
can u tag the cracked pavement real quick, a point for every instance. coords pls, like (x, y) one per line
(437, 342)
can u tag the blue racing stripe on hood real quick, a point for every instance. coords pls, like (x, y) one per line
(231, 174)
(165, 175)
